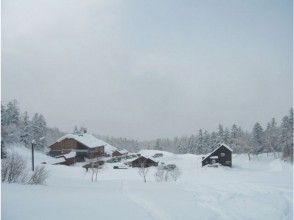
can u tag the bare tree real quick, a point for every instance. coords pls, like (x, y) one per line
(143, 170)
(94, 167)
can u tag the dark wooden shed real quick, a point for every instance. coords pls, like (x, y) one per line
(118, 153)
(222, 155)
(143, 162)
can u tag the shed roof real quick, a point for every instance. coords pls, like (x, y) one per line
(123, 151)
(143, 158)
(226, 146)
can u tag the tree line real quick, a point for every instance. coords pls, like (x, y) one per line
(18, 127)
(270, 139)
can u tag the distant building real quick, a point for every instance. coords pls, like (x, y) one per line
(118, 153)
(143, 162)
(221, 155)
(77, 147)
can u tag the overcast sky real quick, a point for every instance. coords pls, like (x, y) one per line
(146, 69)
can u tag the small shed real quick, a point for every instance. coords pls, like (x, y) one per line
(143, 162)
(118, 153)
(222, 155)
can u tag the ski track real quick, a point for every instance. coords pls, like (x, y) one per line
(153, 211)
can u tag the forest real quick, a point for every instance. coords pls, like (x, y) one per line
(275, 137)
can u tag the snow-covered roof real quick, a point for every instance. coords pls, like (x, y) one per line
(226, 146)
(89, 141)
(70, 154)
(123, 151)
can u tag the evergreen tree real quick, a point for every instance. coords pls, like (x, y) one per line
(227, 136)
(287, 135)
(3, 116)
(25, 130)
(75, 130)
(39, 131)
(257, 135)
(220, 133)
(157, 145)
(3, 150)
(12, 113)
(206, 141)
(234, 131)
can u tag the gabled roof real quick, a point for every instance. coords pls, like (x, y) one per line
(143, 158)
(224, 145)
(123, 151)
(89, 141)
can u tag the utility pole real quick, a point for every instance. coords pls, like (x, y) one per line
(33, 159)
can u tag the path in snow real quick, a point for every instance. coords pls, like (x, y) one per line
(153, 210)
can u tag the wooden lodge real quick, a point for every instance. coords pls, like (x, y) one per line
(78, 146)
(143, 162)
(221, 155)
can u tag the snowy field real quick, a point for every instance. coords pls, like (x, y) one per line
(257, 189)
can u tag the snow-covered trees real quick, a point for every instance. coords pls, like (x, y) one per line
(287, 136)
(3, 150)
(18, 128)
(25, 130)
(39, 130)
(10, 113)
(271, 137)
(257, 138)
(274, 138)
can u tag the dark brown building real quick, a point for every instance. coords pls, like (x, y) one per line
(221, 155)
(143, 162)
(82, 145)
(119, 153)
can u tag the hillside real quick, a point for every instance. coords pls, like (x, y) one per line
(257, 189)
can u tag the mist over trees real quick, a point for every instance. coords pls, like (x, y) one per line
(271, 139)
(17, 127)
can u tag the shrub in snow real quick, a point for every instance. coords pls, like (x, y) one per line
(175, 173)
(39, 176)
(159, 174)
(13, 168)
(163, 174)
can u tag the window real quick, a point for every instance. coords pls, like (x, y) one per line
(222, 154)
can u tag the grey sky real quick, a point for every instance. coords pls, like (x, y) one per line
(146, 69)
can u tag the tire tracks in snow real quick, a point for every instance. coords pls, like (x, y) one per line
(152, 210)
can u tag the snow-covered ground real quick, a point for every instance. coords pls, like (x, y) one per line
(257, 189)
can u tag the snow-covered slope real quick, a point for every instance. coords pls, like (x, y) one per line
(257, 189)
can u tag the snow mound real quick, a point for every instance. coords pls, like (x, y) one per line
(150, 153)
